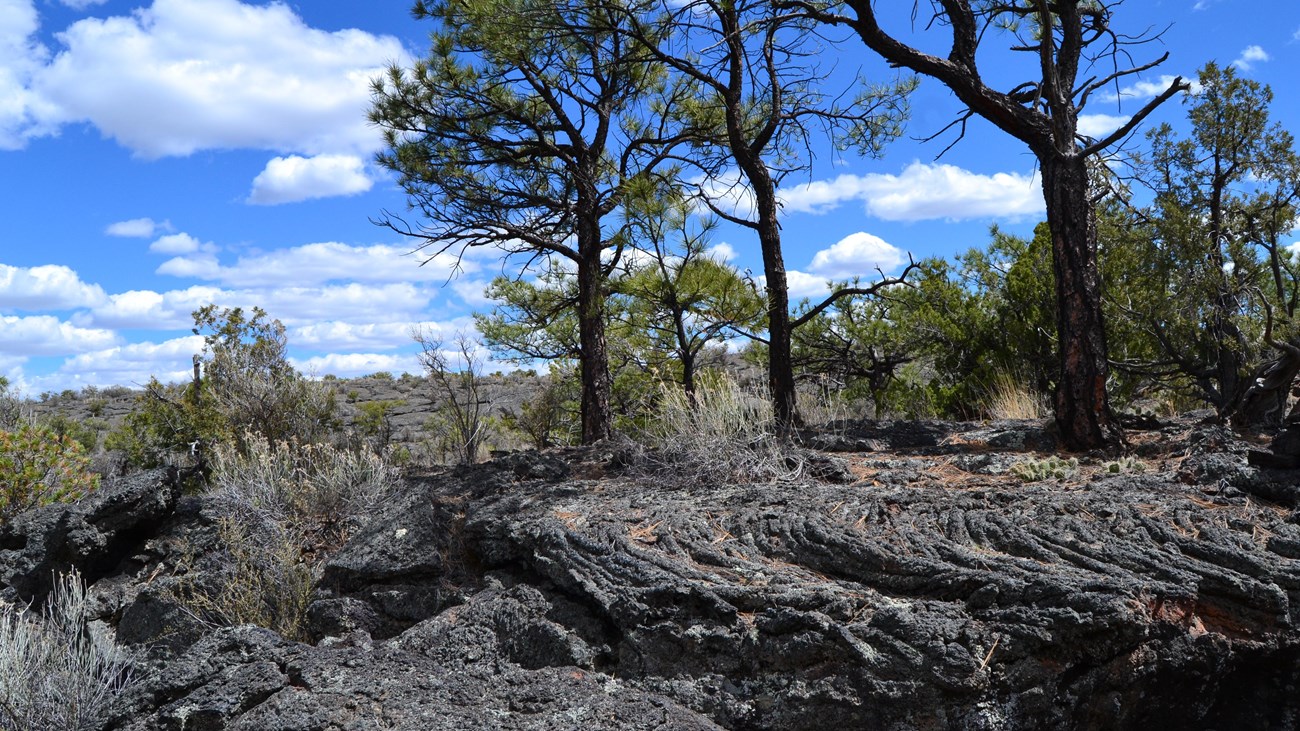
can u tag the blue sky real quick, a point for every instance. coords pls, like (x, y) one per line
(155, 157)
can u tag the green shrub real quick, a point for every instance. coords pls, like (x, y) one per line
(247, 386)
(84, 432)
(12, 409)
(165, 422)
(374, 421)
(38, 467)
(544, 420)
(246, 372)
(53, 676)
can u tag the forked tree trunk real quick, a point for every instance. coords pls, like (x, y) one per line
(1082, 409)
(1263, 405)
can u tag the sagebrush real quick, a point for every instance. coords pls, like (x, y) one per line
(53, 675)
(720, 434)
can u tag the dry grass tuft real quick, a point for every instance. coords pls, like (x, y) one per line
(1011, 398)
(266, 580)
(726, 435)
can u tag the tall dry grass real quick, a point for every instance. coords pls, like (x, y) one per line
(725, 435)
(1011, 398)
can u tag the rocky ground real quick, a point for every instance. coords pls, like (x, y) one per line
(927, 580)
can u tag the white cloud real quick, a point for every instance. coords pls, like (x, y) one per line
(129, 365)
(1251, 56)
(82, 4)
(187, 75)
(1097, 125)
(46, 335)
(48, 287)
(924, 192)
(722, 252)
(293, 179)
(148, 310)
(350, 365)
(198, 266)
(339, 336)
(294, 306)
(920, 192)
(181, 243)
(320, 263)
(473, 292)
(856, 255)
(22, 112)
(801, 284)
(1148, 89)
(137, 228)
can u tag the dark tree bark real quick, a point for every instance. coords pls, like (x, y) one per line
(597, 422)
(1042, 113)
(1082, 409)
(780, 364)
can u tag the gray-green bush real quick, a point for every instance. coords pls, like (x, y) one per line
(53, 675)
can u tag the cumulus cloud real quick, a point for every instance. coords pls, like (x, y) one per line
(187, 75)
(923, 191)
(49, 287)
(293, 179)
(129, 365)
(721, 252)
(181, 243)
(473, 292)
(351, 365)
(1097, 125)
(23, 113)
(137, 228)
(856, 255)
(1251, 56)
(920, 192)
(148, 310)
(801, 284)
(46, 335)
(294, 306)
(320, 263)
(340, 336)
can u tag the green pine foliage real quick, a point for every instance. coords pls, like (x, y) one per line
(39, 467)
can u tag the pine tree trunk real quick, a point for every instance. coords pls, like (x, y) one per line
(594, 363)
(780, 362)
(1083, 411)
